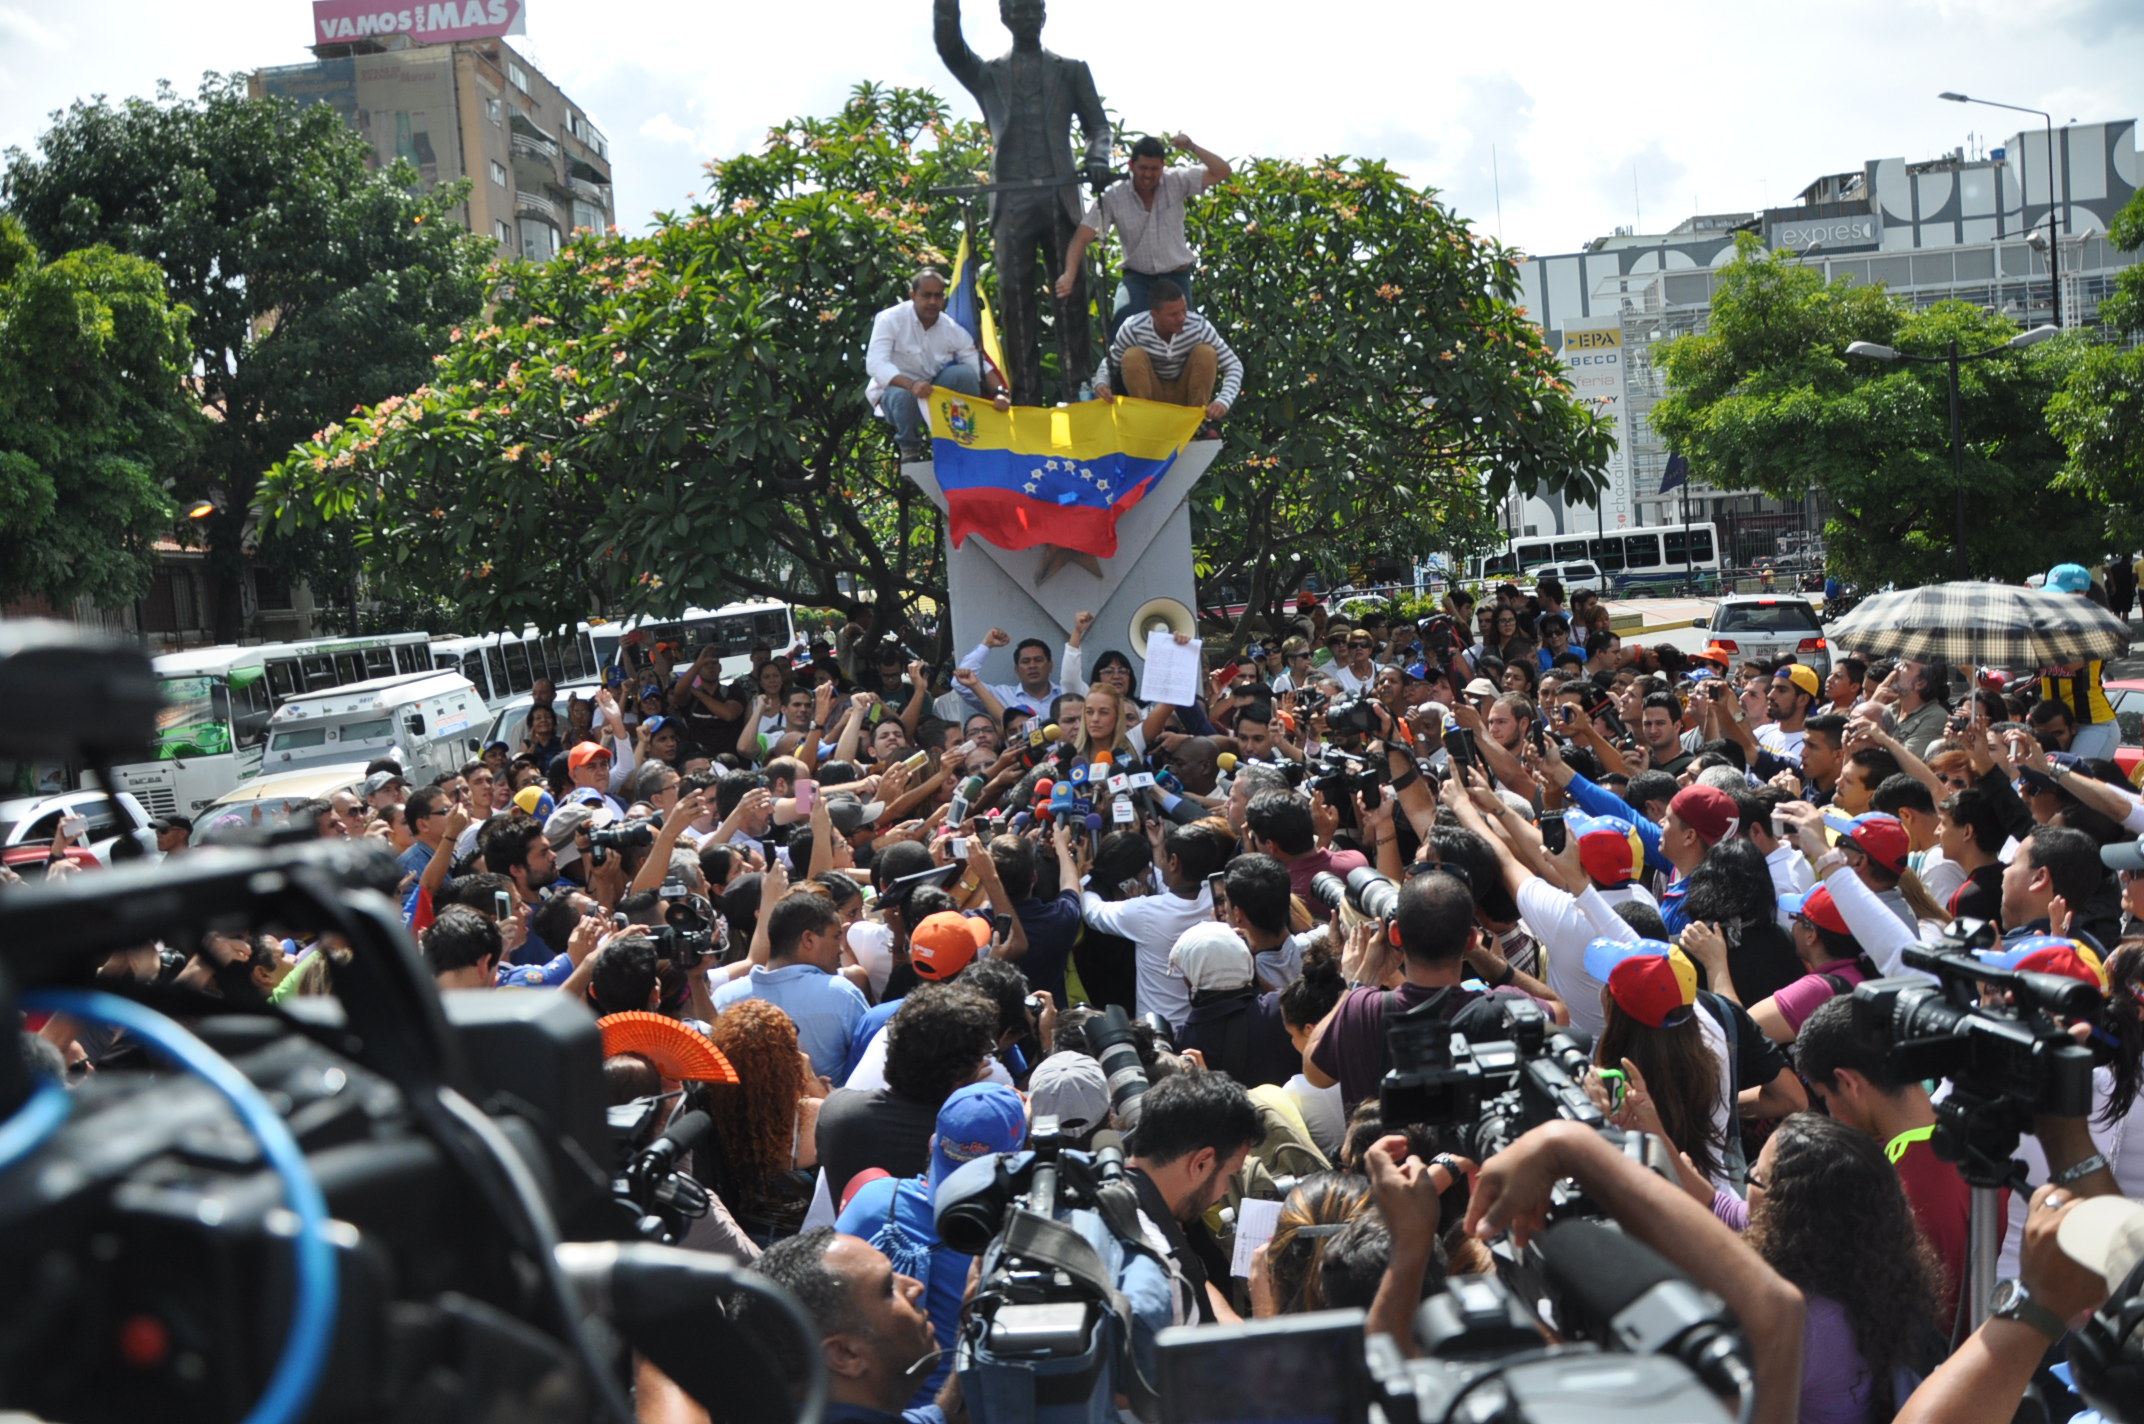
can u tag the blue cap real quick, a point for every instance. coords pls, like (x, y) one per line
(979, 1120)
(655, 724)
(2069, 578)
(1418, 672)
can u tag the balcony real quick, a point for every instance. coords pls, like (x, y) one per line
(589, 192)
(531, 146)
(535, 205)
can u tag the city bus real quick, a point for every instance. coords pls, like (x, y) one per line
(217, 701)
(734, 629)
(1648, 556)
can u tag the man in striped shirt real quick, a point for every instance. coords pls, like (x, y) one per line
(1170, 353)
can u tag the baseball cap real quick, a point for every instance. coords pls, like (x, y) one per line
(2104, 1234)
(849, 814)
(2124, 855)
(496, 745)
(2069, 578)
(1879, 837)
(380, 780)
(2048, 954)
(977, 1121)
(654, 724)
(1482, 687)
(1802, 676)
(1716, 652)
(1649, 979)
(1210, 955)
(1609, 849)
(584, 753)
(1708, 811)
(1072, 1088)
(1818, 905)
(560, 826)
(535, 801)
(678, 1052)
(171, 822)
(946, 943)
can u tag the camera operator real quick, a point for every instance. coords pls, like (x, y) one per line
(876, 1336)
(1435, 930)
(1194, 1131)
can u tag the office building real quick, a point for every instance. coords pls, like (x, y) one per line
(475, 109)
(1978, 228)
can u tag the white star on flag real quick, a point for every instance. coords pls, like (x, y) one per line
(1049, 465)
(1085, 473)
(1102, 485)
(1030, 486)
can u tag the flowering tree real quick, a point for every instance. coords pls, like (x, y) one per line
(647, 421)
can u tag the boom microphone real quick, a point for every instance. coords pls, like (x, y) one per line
(678, 1139)
(1621, 1294)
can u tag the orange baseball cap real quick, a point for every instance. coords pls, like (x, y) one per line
(946, 943)
(676, 1051)
(584, 753)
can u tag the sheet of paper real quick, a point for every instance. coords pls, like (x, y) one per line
(1172, 669)
(1255, 1222)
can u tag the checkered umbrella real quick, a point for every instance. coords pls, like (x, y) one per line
(1989, 624)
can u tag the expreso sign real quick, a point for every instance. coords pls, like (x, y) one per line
(436, 22)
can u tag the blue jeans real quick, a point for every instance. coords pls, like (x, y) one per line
(1133, 290)
(898, 405)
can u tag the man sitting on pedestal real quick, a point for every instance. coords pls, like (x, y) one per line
(915, 346)
(1170, 353)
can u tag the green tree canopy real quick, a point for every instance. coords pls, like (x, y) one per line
(679, 417)
(94, 421)
(316, 283)
(1766, 398)
(2098, 415)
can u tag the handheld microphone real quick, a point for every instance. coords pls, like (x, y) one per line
(1094, 824)
(1102, 765)
(678, 1139)
(1043, 787)
(1060, 803)
(1020, 822)
(1226, 761)
(964, 797)
(1618, 1292)
(1078, 774)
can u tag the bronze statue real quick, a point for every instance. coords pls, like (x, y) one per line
(1029, 98)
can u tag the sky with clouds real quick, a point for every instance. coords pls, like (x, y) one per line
(1549, 123)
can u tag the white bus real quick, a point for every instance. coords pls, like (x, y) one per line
(217, 701)
(734, 629)
(504, 665)
(1650, 556)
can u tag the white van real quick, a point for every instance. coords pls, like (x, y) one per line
(430, 722)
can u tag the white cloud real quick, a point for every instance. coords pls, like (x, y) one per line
(664, 129)
(18, 26)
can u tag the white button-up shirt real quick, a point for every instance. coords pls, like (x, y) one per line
(1153, 236)
(901, 345)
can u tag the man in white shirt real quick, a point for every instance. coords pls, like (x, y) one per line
(1789, 700)
(1147, 210)
(1181, 898)
(914, 347)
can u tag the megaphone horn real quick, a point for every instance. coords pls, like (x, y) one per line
(1166, 614)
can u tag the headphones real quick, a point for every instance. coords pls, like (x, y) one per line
(2107, 1352)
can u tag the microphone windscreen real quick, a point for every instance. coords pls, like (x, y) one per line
(688, 1129)
(1043, 788)
(1094, 823)
(1052, 732)
(1101, 760)
(971, 788)
(1594, 1272)
(1226, 761)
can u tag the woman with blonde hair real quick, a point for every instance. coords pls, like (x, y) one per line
(1112, 723)
(766, 1123)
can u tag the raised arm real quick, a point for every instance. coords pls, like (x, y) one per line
(1217, 169)
(953, 46)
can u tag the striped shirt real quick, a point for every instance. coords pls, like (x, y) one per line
(1170, 353)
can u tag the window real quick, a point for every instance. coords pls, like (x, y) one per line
(1701, 545)
(319, 673)
(379, 662)
(1570, 548)
(409, 657)
(539, 240)
(1531, 554)
(473, 669)
(495, 111)
(517, 76)
(350, 667)
(1641, 551)
(503, 233)
(283, 679)
(498, 172)
(495, 659)
(249, 709)
(271, 589)
(517, 666)
(1787, 615)
(1608, 553)
(2129, 715)
(588, 215)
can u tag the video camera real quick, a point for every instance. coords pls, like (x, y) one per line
(691, 930)
(2007, 1062)
(664, 1201)
(1069, 1299)
(410, 1215)
(626, 835)
(1342, 776)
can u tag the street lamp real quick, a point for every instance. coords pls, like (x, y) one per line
(1871, 351)
(2054, 245)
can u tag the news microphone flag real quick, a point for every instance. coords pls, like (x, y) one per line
(1677, 472)
(1051, 475)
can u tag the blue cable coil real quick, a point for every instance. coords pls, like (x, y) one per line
(312, 1322)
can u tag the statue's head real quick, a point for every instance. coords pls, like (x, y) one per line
(1024, 18)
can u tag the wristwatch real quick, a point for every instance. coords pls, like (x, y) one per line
(2011, 1301)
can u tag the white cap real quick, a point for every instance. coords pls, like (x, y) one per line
(2104, 1234)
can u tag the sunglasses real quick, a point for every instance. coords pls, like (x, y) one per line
(1424, 867)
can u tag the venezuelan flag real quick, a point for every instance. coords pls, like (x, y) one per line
(968, 307)
(1051, 475)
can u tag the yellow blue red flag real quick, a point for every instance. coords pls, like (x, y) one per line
(1051, 475)
(965, 303)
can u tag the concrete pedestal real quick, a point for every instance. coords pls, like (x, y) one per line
(995, 588)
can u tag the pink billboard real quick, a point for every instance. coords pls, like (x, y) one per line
(423, 21)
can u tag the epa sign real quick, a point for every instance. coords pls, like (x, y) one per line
(424, 21)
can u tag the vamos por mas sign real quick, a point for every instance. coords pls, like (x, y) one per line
(434, 22)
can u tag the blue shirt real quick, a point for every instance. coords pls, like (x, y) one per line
(867, 1028)
(1052, 926)
(896, 1216)
(823, 1006)
(413, 861)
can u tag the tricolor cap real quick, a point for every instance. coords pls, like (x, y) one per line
(1649, 979)
(1609, 849)
(1818, 906)
(979, 1120)
(2048, 954)
(1802, 676)
(535, 801)
(1879, 837)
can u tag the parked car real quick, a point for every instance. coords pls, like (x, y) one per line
(28, 824)
(1573, 576)
(512, 718)
(265, 803)
(1763, 627)
(2127, 695)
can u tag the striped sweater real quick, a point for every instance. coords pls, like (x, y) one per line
(1170, 353)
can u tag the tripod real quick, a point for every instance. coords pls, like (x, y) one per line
(1980, 1135)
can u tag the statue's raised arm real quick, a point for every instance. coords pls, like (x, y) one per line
(953, 46)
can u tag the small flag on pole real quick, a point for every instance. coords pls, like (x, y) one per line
(1677, 473)
(964, 303)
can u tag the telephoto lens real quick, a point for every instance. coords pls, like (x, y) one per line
(1113, 1041)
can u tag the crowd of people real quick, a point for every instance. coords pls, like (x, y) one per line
(893, 903)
